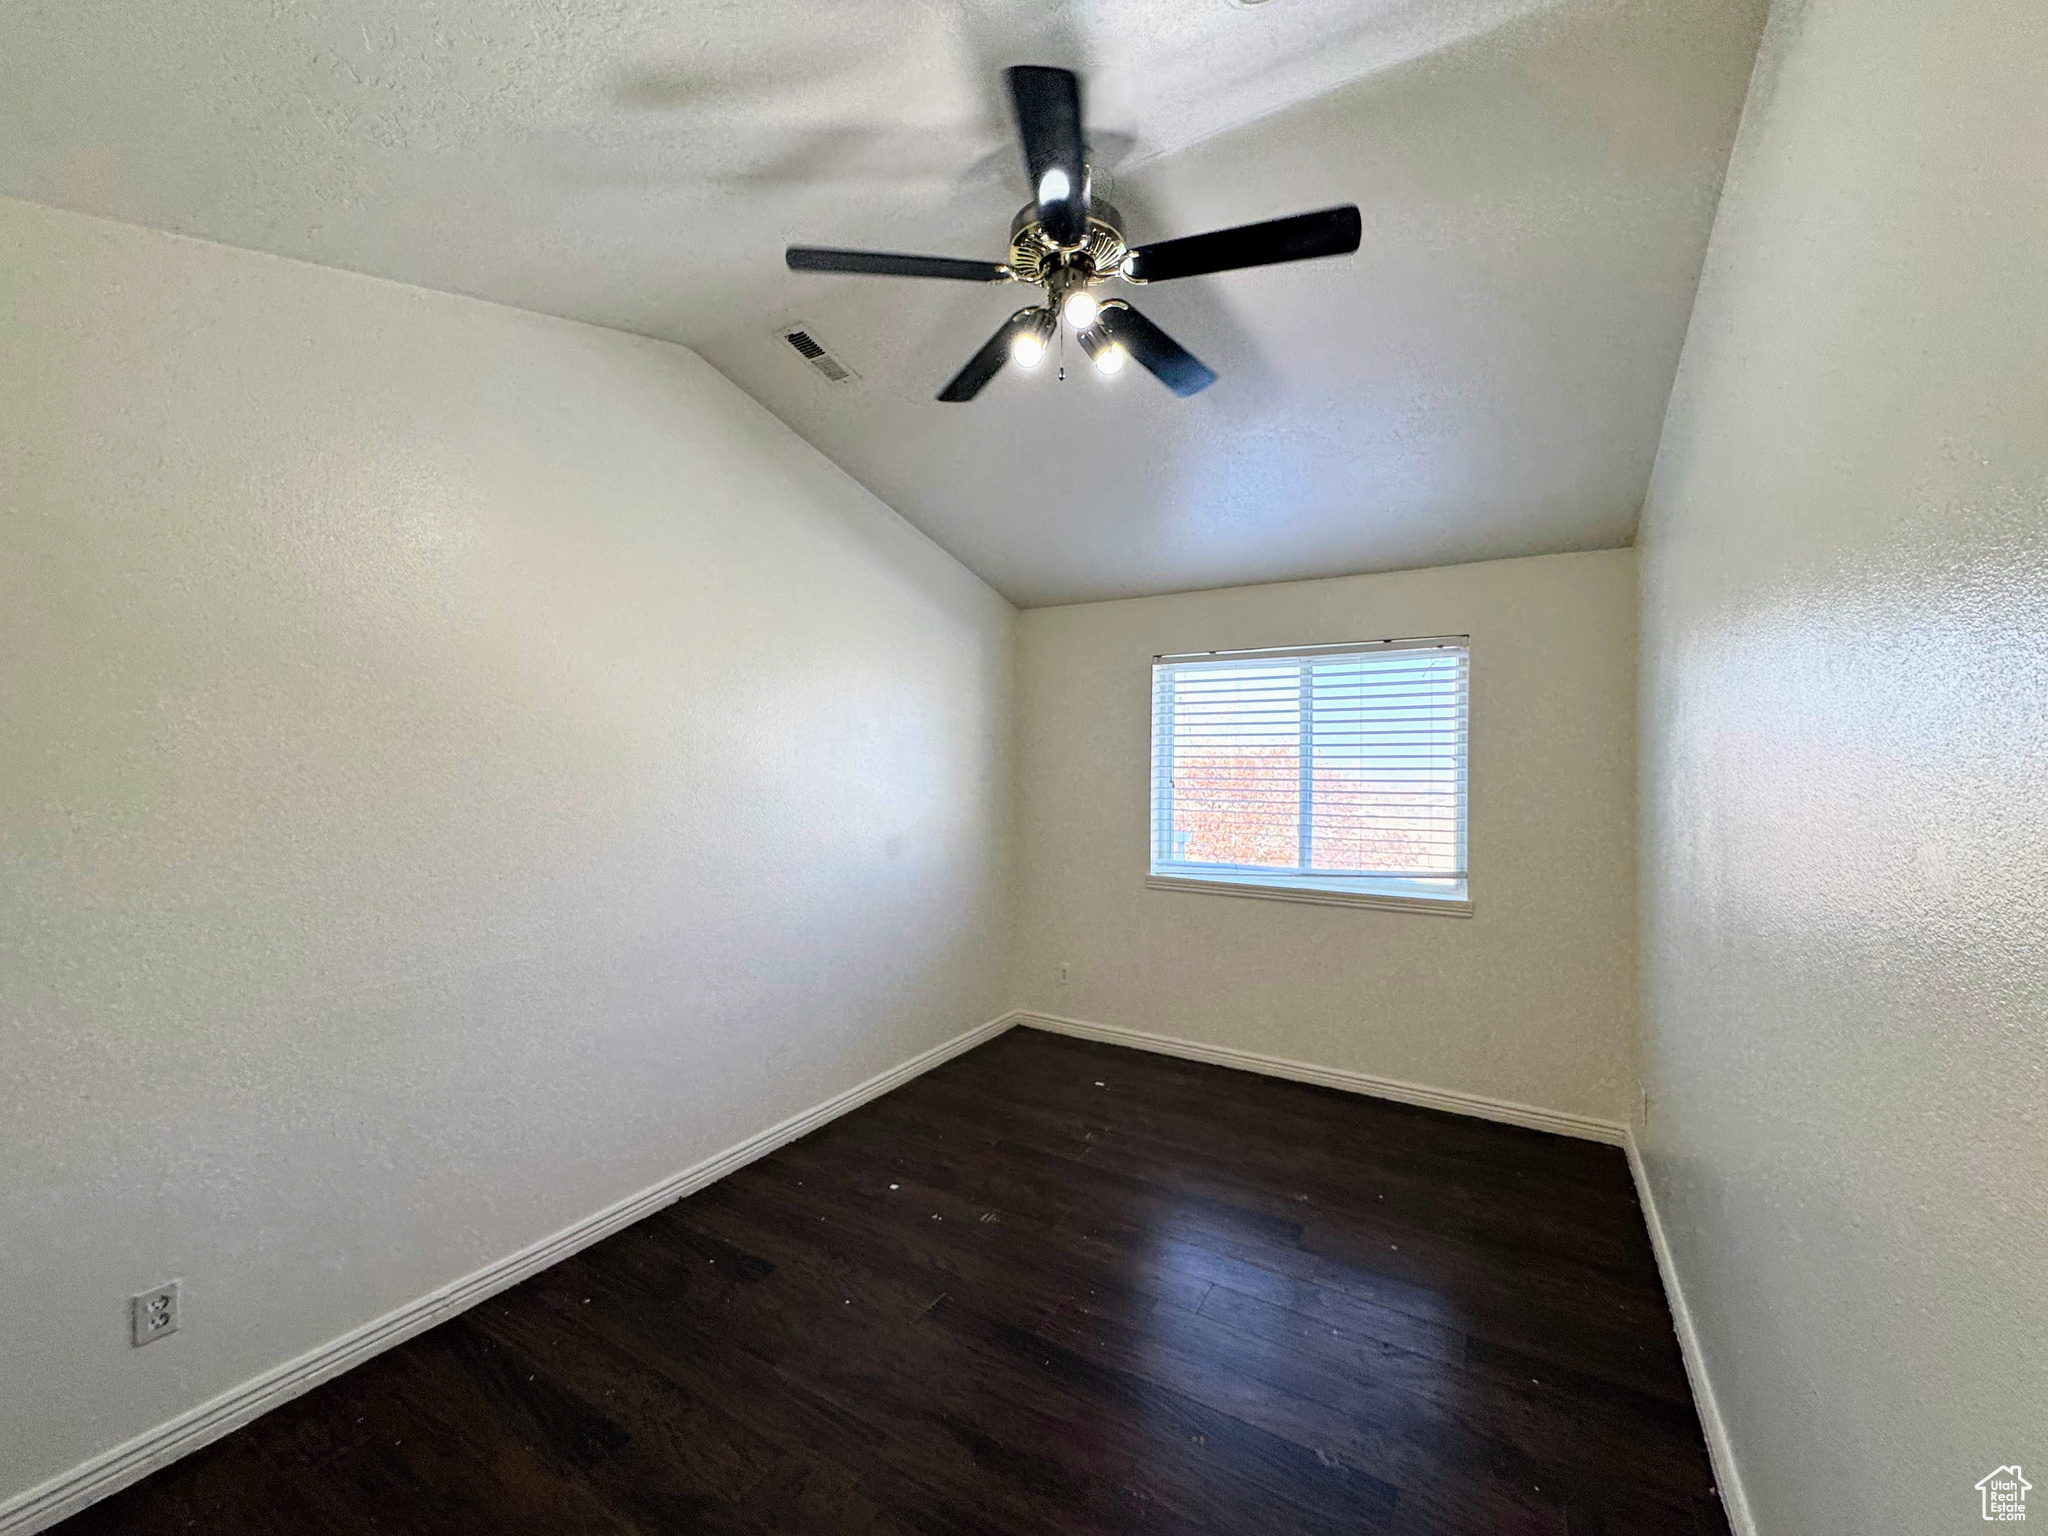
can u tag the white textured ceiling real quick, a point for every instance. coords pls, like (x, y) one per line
(1485, 378)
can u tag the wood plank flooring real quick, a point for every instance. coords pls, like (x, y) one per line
(1052, 1286)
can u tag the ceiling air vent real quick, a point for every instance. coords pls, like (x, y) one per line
(812, 351)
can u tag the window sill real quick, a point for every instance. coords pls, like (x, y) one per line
(1440, 906)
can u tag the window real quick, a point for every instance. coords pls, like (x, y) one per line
(1330, 773)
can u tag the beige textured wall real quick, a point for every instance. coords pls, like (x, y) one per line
(1845, 773)
(457, 768)
(1532, 999)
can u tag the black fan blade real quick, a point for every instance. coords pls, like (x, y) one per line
(1329, 232)
(1166, 359)
(981, 367)
(811, 258)
(1049, 121)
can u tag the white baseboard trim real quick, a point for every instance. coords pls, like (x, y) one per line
(1720, 1450)
(1507, 1111)
(69, 1492)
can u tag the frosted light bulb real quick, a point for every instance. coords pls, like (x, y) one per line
(1080, 309)
(1111, 358)
(1027, 349)
(1053, 187)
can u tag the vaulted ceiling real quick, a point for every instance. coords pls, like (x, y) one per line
(1486, 377)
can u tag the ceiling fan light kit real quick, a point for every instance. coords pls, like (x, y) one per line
(1069, 243)
(1104, 351)
(1035, 329)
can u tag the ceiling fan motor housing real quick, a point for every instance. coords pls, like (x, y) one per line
(1035, 257)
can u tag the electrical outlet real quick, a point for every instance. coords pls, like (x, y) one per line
(1063, 973)
(153, 1314)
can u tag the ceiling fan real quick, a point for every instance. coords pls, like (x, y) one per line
(1069, 243)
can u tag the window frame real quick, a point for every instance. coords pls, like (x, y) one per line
(1445, 896)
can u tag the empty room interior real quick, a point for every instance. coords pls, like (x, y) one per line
(1023, 766)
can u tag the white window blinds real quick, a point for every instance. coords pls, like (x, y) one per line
(1333, 767)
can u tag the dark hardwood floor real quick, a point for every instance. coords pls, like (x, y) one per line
(1050, 1287)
